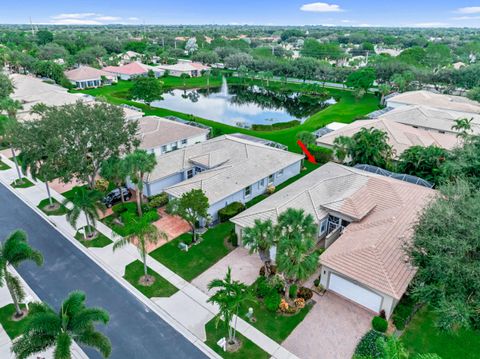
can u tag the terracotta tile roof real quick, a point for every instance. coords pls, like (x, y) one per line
(84, 73)
(382, 210)
(134, 68)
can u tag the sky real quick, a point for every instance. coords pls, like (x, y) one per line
(404, 13)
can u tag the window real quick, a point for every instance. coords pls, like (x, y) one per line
(261, 183)
(280, 173)
(198, 169)
(270, 179)
(174, 146)
(164, 148)
(184, 142)
(190, 173)
(247, 191)
(323, 226)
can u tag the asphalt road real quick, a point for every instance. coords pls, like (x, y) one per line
(134, 330)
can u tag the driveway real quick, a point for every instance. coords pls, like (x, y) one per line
(134, 330)
(244, 266)
(331, 330)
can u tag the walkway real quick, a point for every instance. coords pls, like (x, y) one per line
(191, 326)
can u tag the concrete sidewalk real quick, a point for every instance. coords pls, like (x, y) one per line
(187, 311)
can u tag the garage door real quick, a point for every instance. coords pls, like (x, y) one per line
(355, 293)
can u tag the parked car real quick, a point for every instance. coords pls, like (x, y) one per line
(115, 196)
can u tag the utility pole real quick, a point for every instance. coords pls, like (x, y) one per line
(31, 24)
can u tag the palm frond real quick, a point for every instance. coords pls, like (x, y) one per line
(96, 340)
(15, 285)
(27, 344)
(83, 319)
(62, 349)
(74, 303)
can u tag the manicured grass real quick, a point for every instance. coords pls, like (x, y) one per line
(71, 193)
(13, 328)
(275, 325)
(248, 350)
(346, 110)
(23, 183)
(4, 166)
(422, 336)
(127, 218)
(160, 288)
(62, 210)
(199, 257)
(99, 242)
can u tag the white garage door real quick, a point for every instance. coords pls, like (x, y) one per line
(355, 293)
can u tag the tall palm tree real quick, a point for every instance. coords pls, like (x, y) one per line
(260, 238)
(294, 222)
(144, 233)
(88, 202)
(139, 163)
(14, 251)
(464, 128)
(231, 294)
(73, 322)
(115, 170)
(384, 90)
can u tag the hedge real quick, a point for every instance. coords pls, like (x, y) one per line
(379, 324)
(158, 200)
(230, 211)
(276, 126)
(368, 346)
(321, 154)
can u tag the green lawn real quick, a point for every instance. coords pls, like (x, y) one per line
(248, 349)
(127, 218)
(160, 288)
(346, 110)
(4, 166)
(13, 328)
(99, 242)
(69, 194)
(23, 183)
(422, 336)
(199, 257)
(275, 325)
(62, 210)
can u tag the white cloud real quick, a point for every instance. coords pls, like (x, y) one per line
(321, 7)
(75, 22)
(466, 18)
(431, 24)
(108, 18)
(133, 18)
(468, 10)
(347, 21)
(81, 15)
(83, 18)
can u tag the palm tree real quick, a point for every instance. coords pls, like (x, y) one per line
(260, 238)
(184, 78)
(14, 251)
(464, 128)
(73, 322)
(231, 294)
(144, 233)
(384, 90)
(115, 170)
(88, 202)
(139, 163)
(295, 222)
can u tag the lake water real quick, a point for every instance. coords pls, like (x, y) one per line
(243, 106)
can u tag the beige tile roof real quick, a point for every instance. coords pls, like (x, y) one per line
(157, 131)
(382, 210)
(440, 101)
(235, 164)
(429, 117)
(400, 136)
(84, 73)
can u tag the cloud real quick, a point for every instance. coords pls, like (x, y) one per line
(468, 10)
(83, 18)
(347, 21)
(133, 18)
(81, 15)
(321, 7)
(466, 18)
(431, 24)
(75, 22)
(108, 18)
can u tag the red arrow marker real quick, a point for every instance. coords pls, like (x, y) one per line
(310, 158)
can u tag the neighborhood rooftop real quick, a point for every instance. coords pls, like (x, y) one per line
(156, 131)
(134, 68)
(400, 136)
(84, 73)
(232, 164)
(381, 210)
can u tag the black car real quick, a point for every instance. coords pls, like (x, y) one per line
(114, 196)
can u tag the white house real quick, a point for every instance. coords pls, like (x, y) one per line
(160, 135)
(86, 76)
(134, 69)
(192, 69)
(364, 221)
(227, 168)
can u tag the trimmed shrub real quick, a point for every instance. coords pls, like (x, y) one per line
(307, 138)
(233, 239)
(368, 346)
(316, 282)
(272, 301)
(305, 293)
(263, 288)
(124, 207)
(293, 291)
(271, 189)
(403, 313)
(158, 200)
(230, 211)
(275, 126)
(321, 154)
(151, 216)
(379, 324)
(101, 185)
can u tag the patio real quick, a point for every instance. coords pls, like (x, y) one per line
(172, 226)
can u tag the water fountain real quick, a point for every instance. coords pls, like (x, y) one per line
(224, 89)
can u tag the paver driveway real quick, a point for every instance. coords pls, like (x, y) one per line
(331, 330)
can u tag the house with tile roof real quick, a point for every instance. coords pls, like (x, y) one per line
(85, 77)
(226, 168)
(400, 136)
(192, 69)
(364, 221)
(160, 135)
(133, 69)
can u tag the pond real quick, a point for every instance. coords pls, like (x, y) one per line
(244, 106)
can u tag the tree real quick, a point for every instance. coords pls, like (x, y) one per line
(307, 138)
(423, 162)
(234, 61)
(474, 94)
(192, 207)
(14, 251)
(90, 134)
(147, 89)
(313, 48)
(297, 257)
(191, 45)
(437, 55)
(361, 79)
(384, 90)
(115, 170)
(206, 57)
(260, 238)
(231, 294)
(138, 164)
(6, 86)
(464, 128)
(52, 51)
(44, 37)
(392, 347)
(144, 233)
(445, 250)
(73, 322)
(184, 77)
(367, 146)
(88, 202)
